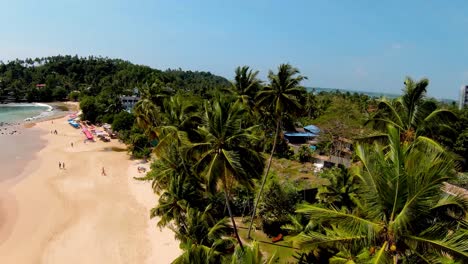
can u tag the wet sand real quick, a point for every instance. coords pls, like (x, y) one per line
(77, 215)
(17, 150)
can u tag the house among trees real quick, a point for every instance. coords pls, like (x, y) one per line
(128, 102)
(308, 134)
(341, 152)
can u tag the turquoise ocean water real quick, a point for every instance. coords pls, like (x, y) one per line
(11, 113)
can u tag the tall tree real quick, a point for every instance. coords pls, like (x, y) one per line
(404, 211)
(281, 96)
(204, 240)
(179, 188)
(224, 143)
(179, 121)
(245, 86)
(412, 114)
(147, 117)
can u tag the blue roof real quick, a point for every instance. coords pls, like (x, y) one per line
(312, 129)
(299, 134)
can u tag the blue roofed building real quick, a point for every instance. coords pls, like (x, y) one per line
(312, 129)
(301, 136)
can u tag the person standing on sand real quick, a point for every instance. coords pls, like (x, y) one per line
(60, 165)
(72, 144)
(63, 165)
(103, 172)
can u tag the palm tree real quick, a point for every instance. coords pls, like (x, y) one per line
(245, 85)
(147, 116)
(180, 121)
(281, 96)
(157, 92)
(219, 154)
(204, 240)
(147, 110)
(415, 117)
(250, 255)
(342, 190)
(404, 210)
(179, 188)
(311, 106)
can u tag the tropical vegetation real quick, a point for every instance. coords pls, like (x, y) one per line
(226, 175)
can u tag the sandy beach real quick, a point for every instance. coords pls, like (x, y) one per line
(77, 215)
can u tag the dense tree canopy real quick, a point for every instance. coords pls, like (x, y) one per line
(92, 75)
(209, 138)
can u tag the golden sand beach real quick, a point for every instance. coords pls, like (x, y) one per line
(77, 215)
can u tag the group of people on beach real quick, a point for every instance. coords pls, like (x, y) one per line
(62, 164)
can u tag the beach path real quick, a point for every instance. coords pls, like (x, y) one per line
(77, 215)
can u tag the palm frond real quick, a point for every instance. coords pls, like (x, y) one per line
(352, 223)
(454, 244)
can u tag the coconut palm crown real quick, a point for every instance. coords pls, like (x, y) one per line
(224, 155)
(415, 117)
(404, 211)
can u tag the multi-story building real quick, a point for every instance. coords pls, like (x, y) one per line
(128, 102)
(463, 96)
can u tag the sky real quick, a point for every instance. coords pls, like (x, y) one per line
(358, 45)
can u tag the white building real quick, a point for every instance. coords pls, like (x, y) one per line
(129, 102)
(463, 96)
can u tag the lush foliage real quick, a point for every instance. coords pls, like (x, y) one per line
(208, 138)
(92, 76)
(402, 209)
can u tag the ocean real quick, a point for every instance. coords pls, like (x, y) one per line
(19, 139)
(370, 94)
(14, 113)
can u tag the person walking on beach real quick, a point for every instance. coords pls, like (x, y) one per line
(60, 165)
(71, 144)
(103, 172)
(63, 165)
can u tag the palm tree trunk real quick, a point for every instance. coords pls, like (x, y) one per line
(264, 177)
(226, 196)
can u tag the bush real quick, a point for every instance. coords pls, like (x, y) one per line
(59, 93)
(242, 201)
(143, 153)
(305, 154)
(140, 146)
(123, 121)
(90, 108)
(282, 149)
(279, 201)
(73, 96)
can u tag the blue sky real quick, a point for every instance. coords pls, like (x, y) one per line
(359, 45)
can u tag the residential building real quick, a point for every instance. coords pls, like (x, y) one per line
(128, 102)
(302, 135)
(463, 96)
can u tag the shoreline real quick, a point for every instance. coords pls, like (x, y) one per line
(49, 214)
(21, 141)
